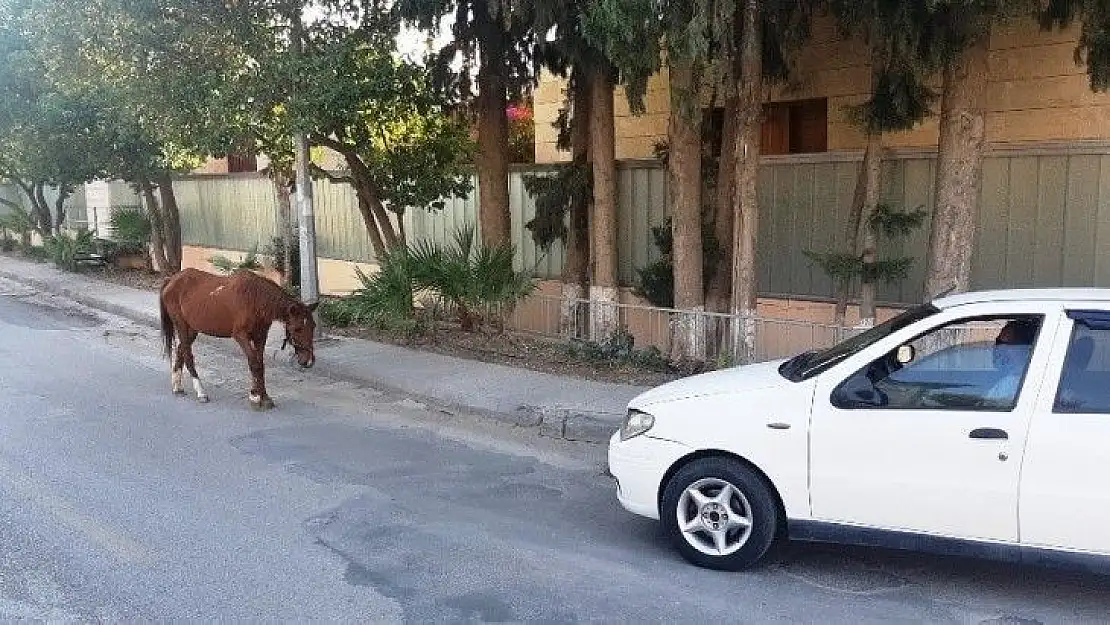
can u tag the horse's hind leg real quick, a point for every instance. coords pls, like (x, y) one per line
(179, 362)
(191, 365)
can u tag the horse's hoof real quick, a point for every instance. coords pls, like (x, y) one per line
(203, 399)
(179, 393)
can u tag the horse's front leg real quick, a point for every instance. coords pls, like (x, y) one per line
(258, 398)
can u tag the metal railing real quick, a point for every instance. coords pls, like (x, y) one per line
(661, 328)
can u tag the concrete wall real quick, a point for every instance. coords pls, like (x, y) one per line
(1036, 93)
(337, 277)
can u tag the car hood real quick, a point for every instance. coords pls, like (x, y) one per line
(746, 378)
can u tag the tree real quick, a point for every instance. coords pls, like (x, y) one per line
(156, 67)
(498, 35)
(899, 100)
(636, 34)
(763, 33)
(48, 139)
(564, 199)
(401, 147)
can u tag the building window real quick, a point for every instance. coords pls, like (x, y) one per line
(797, 127)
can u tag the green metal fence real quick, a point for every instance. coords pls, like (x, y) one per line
(1044, 218)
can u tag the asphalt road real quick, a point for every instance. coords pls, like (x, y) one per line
(121, 502)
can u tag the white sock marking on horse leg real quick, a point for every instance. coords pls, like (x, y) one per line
(255, 399)
(175, 380)
(201, 395)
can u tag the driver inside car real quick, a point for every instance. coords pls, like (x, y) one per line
(1012, 348)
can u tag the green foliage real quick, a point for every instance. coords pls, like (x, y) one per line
(555, 195)
(226, 265)
(619, 348)
(18, 222)
(1093, 46)
(384, 301)
(36, 252)
(897, 32)
(655, 281)
(66, 250)
(276, 251)
(361, 101)
(847, 268)
(476, 282)
(131, 229)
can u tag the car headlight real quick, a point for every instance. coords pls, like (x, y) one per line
(635, 424)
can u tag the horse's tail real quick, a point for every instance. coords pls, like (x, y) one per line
(167, 322)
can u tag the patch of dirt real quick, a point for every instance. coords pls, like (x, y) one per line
(509, 349)
(520, 351)
(134, 278)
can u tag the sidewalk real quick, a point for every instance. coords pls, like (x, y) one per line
(562, 407)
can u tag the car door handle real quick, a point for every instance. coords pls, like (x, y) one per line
(989, 433)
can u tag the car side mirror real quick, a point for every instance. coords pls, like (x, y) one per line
(858, 391)
(905, 354)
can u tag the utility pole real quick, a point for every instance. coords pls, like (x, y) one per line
(306, 215)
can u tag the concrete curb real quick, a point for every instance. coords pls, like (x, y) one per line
(560, 423)
(83, 298)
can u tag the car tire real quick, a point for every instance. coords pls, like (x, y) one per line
(706, 520)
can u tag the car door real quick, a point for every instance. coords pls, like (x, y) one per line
(1064, 497)
(916, 444)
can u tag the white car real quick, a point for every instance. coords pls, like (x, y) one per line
(978, 424)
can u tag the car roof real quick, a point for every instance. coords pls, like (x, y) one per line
(1086, 295)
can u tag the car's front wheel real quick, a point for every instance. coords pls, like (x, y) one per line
(720, 514)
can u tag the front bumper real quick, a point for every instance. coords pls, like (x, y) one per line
(638, 465)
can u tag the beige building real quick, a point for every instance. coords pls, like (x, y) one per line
(1037, 93)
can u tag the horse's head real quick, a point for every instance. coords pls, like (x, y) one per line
(300, 330)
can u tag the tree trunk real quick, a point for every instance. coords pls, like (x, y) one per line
(872, 168)
(60, 208)
(851, 242)
(718, 292)
(493, 132)
(286, 231)
(44, 223)
(171, 224)
(603, 253)
(576, 270)
(383, 236)
(684, 170)
(746, 218)
(959, 171)
(371, 223)
(157, 227)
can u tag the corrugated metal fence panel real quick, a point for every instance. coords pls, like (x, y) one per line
(228, 212)
(641, 205)
(1044, 221)
(74, 205)
(530, 258)
(440, 226)
(340, 230)
(11, 193)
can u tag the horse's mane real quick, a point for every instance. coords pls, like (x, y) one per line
(270, 297)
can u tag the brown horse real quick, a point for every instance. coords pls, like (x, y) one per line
(241, 306)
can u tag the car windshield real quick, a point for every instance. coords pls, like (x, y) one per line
(808, 364)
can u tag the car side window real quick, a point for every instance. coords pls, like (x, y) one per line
(1085, 376)
(970, 364)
